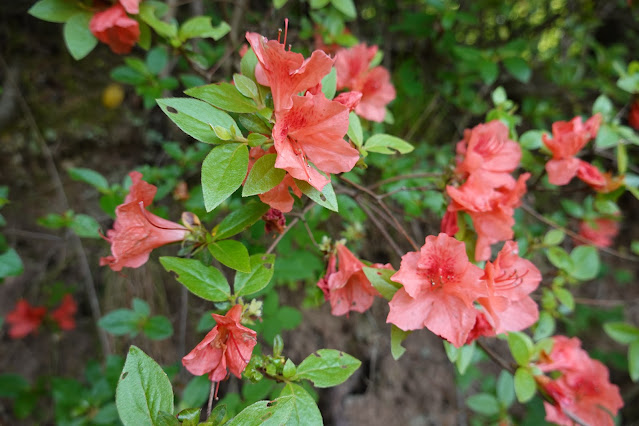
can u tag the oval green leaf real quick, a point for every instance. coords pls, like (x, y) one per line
(231, 253)
(261, 272)
(223, 171)
(206, 282)
(263, 176)
(327, 368)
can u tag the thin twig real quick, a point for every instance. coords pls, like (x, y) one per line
(404, 177)
(59, 187)
(209, 407)
(422, 117)
(288, 227)
(381, 203)
(404, 188)
(496, 358)
(380, 227)
(528, 209)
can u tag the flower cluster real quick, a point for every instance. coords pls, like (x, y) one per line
(568, 138)
(345, 284)
(113, 26)
(309, 128)
(354, 73)
(137, 231)
(489, 193)
(26, 319)
(583, 392)
(441, 289)
(228, 346)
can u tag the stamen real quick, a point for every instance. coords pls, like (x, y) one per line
(149, 219)
(285, 31)
(279, 34)
(509, 282)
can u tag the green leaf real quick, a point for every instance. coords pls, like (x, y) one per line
(498, 96)
(633, 361)
(289, 369)
(622, 332)
(224, 96)
(164, 29)
(77, 36)
(565, 297)
(545, 326)
(483, 403)
(143, 390)
(586, 262)
(465, 357)
(397, 337)
(326, 198)
(292, 407)
(532, 139)
(248, 64)
(318, 4)
(231, 253)
(54, 10)
(245, 85)
(603, 105)
(329, 84)
(158, 327)
(223, 171)
(121, 322)
(128, 75)
(201, 27)
(196, 391)
(355, 130)
(11, 385)
(141, 307)
(554, 237)
(347, 7)
(166, 419)
(263, 176)
(327, 368)
(525, 386)
(607, 137)
(518, 68)
(451, 351)
(505, 389)
(89, 176)
(572, 208)
(85, 226)
(521, 347)
(189, 416)
(560, 258)
(10, 264)
(240, 219)
(195, 118)
(488, 70)
(259, 276)
(156, 60)
(380, 279)
(206, 282)
(385, 144)
(257, 124)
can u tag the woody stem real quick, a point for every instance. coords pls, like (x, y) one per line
(288, 227)
(379, 200)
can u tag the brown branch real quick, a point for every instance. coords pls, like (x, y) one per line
(288, 227)
(381, 203)
(528, 209)
(380, 227)
(52, 169)
(404, 177)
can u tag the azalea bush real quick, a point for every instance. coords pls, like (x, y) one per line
(306, 155)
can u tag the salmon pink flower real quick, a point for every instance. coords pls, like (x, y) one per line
(136, 231)
(286, 72)
(24, 319)
(568, 138)
(131, 6)
(599, 232)
(440, 287)
(227, 347)
(583, 391)
(279, 197)
(510, 280)
(347, 288)
(313, 130)
(64, 314)
(354, 73)
(487, 147)
(115, 28)
(633, 115)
